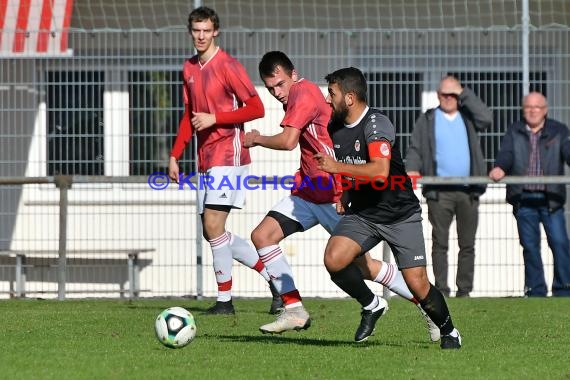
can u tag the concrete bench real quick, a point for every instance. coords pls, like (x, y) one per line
(87, 258)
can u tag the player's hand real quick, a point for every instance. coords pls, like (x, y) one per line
(202, 120)
(342, 203)
(249, 140)
(325, 162)
(497, 174)
(173, 169)
(340, 208)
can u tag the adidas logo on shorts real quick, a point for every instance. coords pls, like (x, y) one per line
(223, 196)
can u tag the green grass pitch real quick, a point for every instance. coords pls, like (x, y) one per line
(108, 339)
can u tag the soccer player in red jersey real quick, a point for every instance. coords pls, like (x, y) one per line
(219, 97)
(314, 195)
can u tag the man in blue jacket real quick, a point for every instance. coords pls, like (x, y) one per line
(535, 147)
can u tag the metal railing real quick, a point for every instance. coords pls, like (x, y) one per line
(65, 183)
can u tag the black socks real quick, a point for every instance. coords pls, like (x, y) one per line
(351, 281)
(435, 306)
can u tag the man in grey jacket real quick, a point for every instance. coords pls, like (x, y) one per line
(445, 143)
(534, 147)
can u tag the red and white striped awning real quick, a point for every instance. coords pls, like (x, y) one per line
(34, 27)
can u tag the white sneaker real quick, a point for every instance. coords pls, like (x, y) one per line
(433, 330)
(295, 318)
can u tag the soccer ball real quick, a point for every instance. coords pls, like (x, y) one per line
(175, 327)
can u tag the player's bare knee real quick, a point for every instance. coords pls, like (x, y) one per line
(259, 239)
(212, 229)
(263, 237)
(334, 260)
(330, 264)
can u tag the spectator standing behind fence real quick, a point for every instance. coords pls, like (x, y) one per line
(538, 146)
(445, 143)
(218, 97)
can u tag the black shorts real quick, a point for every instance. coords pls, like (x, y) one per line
(405, 238)
(288, 225)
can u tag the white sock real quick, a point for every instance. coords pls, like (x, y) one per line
(391, 277)
(222, 255)
(373, 305)
(421, 310)
(244, 253)
(278, 268)
(293, 305)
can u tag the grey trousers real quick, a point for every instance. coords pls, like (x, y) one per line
(465, 208)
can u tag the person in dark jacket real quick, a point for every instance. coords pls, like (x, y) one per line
(535, 147)
(445, 143)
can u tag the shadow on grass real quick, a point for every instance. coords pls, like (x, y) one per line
(196, 310)
(280, 339)
(161, 306)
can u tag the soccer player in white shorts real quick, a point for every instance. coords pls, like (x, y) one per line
(222, 186)
(215, 114)
(311, 202)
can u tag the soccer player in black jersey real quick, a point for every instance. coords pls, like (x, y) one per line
(378, 202)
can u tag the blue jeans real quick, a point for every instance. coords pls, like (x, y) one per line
(528, 222)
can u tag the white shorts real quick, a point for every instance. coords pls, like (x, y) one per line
(308, 214)
(222, 186)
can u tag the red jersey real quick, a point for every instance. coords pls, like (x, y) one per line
(307, 110)
(220, 85)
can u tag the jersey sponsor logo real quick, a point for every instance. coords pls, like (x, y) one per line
(357, 145)
(191, 79)
(385, 149)
(353, 160)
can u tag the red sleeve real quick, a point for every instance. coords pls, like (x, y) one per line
(253, 109)
(184, 135)
(301, 109)
(380, 149)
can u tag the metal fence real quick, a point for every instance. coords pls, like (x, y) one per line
(115, 236)
(109, 107)
(112, 107)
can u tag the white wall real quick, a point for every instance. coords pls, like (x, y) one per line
(118, 216)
